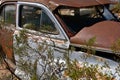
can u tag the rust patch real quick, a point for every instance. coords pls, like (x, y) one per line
(6, 42)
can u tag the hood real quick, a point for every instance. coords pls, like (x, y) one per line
(105, 32)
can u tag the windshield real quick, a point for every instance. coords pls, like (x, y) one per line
(78, 18)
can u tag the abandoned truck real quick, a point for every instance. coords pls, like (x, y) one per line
(61, 24)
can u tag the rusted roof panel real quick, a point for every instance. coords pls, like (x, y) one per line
(72, 3)
(81, 3)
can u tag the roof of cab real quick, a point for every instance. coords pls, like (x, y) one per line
(71, 3)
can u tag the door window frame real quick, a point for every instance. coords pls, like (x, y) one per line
(26, 12)
(61, 35)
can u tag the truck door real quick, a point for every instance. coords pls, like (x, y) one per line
(37, 24)
(40, 23)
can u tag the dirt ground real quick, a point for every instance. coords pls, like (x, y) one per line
(4, 72)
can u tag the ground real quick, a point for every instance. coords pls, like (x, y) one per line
(4, 72)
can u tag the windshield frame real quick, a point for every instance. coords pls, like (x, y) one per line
(76, 10)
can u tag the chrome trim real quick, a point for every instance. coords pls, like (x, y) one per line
(94, 47)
